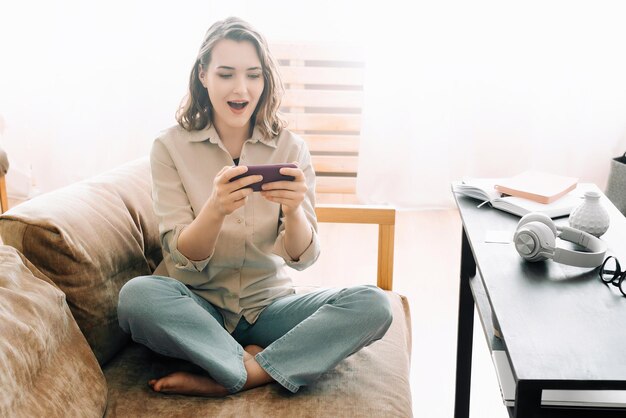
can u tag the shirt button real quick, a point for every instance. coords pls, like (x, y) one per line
(239, 220)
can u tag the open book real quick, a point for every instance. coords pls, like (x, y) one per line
(484, 190)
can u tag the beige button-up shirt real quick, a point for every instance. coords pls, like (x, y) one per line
(246, 271)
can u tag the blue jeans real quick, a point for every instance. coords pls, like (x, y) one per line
(302, 335)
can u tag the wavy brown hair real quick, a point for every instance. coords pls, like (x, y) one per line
(195, 112)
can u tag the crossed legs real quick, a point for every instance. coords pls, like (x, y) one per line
(294, 340)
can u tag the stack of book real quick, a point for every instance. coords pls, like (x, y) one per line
(530, 191)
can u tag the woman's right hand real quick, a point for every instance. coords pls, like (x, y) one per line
(228, 196)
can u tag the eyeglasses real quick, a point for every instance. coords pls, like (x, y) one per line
(610, 272)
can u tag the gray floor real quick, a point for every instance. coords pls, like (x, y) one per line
(426, 270)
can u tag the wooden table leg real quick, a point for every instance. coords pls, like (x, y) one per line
(465, 332)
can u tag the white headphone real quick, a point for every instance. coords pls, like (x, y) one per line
(535, 240)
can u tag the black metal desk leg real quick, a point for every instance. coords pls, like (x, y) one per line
(527, 400)
(465, 332)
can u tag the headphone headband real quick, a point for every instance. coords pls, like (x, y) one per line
(593, 258)
(535, 240)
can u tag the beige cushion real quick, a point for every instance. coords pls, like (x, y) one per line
(46, 366)
(374, 382)
(90, 238)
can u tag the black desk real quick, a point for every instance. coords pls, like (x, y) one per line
(561, 327)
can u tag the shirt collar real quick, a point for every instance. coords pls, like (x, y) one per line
(210, 133)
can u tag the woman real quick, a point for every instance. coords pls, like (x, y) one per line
(228, 305)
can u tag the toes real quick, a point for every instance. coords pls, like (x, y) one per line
(168, 383)
(157, 385)
(152, 384)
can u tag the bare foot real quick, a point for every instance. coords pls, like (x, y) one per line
(185, 383)
(252, 350)
(257, 376)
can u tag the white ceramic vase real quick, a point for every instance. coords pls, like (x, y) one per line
(590, 216)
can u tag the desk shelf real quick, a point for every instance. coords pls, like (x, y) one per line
(487, 319)
(484, 313)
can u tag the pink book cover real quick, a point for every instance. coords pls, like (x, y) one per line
(538, 186)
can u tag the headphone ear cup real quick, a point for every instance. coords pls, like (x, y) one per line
(535, 241)
(538, 217)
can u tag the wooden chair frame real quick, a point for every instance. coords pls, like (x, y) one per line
(383, 216)
(4, 200)
(323, 103)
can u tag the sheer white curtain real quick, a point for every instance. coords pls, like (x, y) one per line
(489, 89)
(86, 86)
(454, 88)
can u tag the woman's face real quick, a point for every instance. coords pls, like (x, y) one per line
(234, 80)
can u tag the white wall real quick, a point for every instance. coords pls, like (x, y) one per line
(491, 88)
(86, 86)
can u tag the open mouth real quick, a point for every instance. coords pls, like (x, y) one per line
(238, 105)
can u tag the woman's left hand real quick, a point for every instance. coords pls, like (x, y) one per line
(289, 194)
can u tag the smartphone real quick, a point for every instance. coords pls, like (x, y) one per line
(270, 173)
